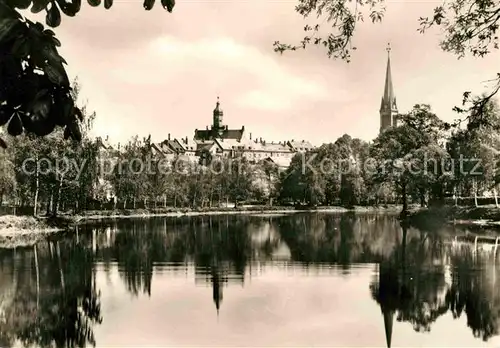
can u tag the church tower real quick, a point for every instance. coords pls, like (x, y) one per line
(218, 114)
(388, 107)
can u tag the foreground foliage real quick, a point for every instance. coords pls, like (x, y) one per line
(35, 92)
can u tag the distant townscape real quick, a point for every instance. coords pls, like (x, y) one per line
(417, 157)
(221, 141)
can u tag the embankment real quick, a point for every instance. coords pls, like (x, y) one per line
(485, 216)
(19, 231)
(172, 212)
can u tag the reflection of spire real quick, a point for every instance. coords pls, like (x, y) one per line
(217, 289)
(388, 320)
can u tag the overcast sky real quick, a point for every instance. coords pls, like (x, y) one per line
(158, 73)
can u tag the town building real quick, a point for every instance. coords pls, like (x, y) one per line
(218, 130)
(221, 141)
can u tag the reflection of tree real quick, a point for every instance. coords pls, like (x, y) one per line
(58, 307)
(342, 239)
(414, 290)
(214, 244)
(471, 293)
(410, 287)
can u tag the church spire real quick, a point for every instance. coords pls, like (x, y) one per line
(388, 88)
(388, 106)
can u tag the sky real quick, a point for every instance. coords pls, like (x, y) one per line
(154, 73)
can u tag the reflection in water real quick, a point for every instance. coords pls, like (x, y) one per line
(49, 293)
(419, 295)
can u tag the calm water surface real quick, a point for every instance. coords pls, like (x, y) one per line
(301, 280)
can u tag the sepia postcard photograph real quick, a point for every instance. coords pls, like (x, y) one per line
(249, 173)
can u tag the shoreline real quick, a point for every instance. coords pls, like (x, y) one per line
(478, 217)
(279, 210)
(25, 231)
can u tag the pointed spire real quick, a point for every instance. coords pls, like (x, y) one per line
(388, 106)
(389, 97)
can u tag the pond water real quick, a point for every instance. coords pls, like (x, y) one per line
(340, 280)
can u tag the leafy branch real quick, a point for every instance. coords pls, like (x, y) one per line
(342, 15)
(469, 25)
(35, 92)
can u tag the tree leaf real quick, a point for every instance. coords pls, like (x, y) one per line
(67, 133)
(20, 48)
(56, 74)
(15, 126)
(168, 4)
(5, 114)
(62, 110)
(73, 131)
(57, 43)
(6, 10)
(76, 131)
(108, 4)
(43, 126)
(38, 26)
(148, 4)
(51, 55)
(78, 5)
(78, 114)
(20, 4)
(69, 9)
(27, 123)
(6, 28)
(39, 5)
(53, 17)
(50, 32)
(94, 3)
(41, 107)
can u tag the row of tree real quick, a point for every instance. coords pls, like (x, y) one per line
(421, 160)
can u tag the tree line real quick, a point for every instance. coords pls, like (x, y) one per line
(422, 160)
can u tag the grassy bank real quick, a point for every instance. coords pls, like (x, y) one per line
(484, 216)
(17, 231)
